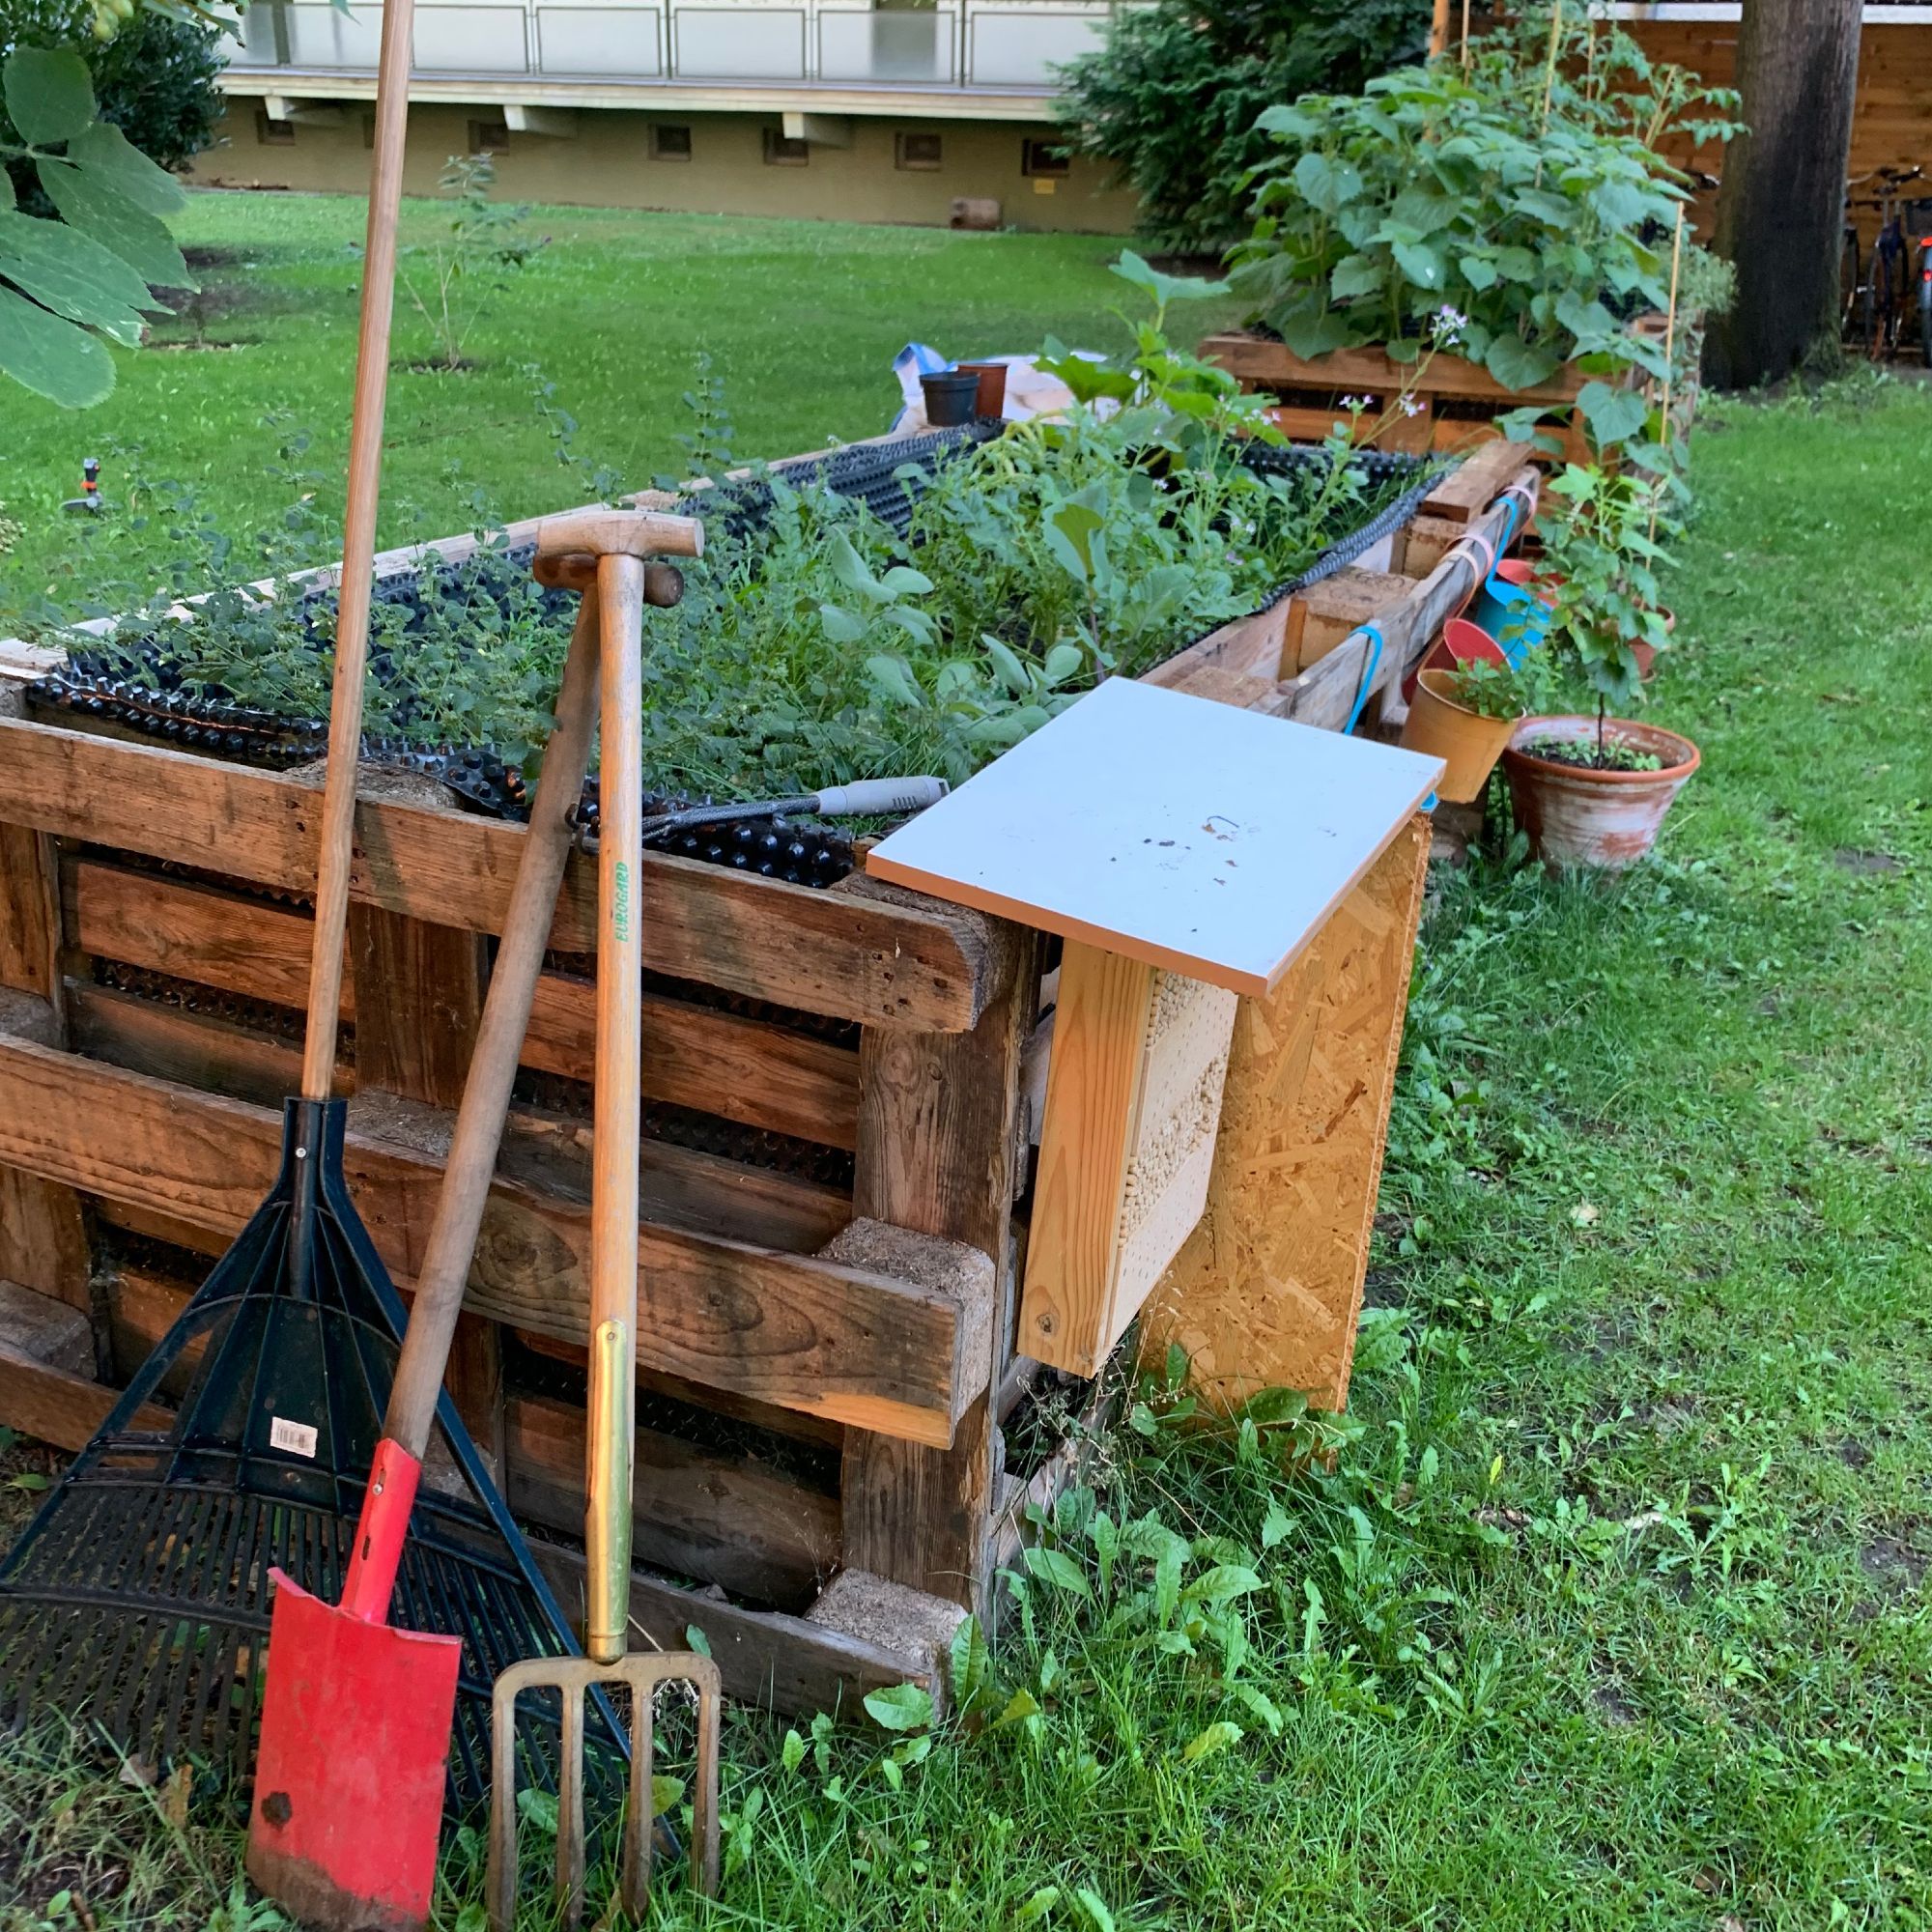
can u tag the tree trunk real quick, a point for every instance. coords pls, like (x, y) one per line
(1780, 210)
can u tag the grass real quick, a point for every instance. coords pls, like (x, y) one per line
(801, 319)
(1612, 1612)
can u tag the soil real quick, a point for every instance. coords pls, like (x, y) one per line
(1582, 754)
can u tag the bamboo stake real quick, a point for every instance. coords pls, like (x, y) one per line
(1669, 353)
(1548, 81)
(1439, 29)
(1465, 35)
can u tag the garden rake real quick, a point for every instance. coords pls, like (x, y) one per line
(614, 541)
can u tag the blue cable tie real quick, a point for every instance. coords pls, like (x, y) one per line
(1368, 677)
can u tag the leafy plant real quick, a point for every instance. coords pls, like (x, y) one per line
(1434, 188)
(1601, 559)
(1171, 97)
(453, 278)
(67, 283)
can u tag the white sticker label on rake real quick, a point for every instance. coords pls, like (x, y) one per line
(298, 1437)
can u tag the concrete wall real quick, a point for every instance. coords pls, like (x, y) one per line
(609, 163)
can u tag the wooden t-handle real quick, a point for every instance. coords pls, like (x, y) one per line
(499, 1039)
(620, 533)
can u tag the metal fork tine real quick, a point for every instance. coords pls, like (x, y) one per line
(641, 1815)
(570, 1810)
(704, 1795)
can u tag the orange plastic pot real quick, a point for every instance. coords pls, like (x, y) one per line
(1577, 816)
(1468, 743)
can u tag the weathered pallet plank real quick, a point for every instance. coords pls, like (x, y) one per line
(920, 966)
(802, 1333)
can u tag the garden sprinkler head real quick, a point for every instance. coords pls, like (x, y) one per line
(90, 498)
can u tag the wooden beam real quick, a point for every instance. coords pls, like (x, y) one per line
(1326, 695)
(728, 1520)
(1133, 1095)
(904, 964)
(803, 1334)
(41, 1394)
(765, 1658)
(758, 1072)
(1475, 483)
(939, 1120)
(753, 1071)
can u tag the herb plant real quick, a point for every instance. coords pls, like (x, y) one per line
(1493, 690)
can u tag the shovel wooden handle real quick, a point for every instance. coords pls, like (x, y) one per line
(499, 1040)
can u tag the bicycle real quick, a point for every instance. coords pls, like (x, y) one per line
(1873, 293)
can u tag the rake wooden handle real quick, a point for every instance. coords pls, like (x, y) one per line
(615, 1123)
(499, 1039)
(359, 555)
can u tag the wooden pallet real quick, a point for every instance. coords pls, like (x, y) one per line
(1459, 400)
(827, 1362)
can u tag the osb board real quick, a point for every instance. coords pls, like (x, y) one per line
(1133, 1095)
(1266, 1292)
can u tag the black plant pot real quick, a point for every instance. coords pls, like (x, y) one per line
(951, 397)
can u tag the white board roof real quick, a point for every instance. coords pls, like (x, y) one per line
(1171, 829)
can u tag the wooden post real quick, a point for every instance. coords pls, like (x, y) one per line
(43, 1240)
(938, 1115)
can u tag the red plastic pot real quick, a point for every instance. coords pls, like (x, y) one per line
(1577, 816)
(1462, 642)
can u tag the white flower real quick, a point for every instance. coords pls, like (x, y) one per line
(1410, 406)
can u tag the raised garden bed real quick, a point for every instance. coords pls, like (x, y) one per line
(844, 1082)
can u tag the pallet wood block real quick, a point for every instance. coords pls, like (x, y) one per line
(1473, 486)
(1321, 616)
(1266, 1290)
(939, 1121)
(46, 1372)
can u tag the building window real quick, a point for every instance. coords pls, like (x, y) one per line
(489, 137)
(1044, 161)
(782, 151)
(669, 142)
(273, 134)
(915, 152)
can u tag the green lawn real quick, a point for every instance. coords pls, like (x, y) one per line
(800, 319)
(1614, 1612)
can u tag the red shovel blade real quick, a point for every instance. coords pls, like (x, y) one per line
(349, 1776)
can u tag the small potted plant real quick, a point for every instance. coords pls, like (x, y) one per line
(1594, 790)
(1465, 715)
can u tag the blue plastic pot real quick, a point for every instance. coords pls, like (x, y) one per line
(1509, 610)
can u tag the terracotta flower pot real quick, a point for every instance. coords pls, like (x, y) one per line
(1577, 816)
(992, 399)
(1646, 654)
(1468, 743)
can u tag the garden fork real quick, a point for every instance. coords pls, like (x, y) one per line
(607, 546)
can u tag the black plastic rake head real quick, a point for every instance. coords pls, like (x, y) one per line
(139, 1597)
